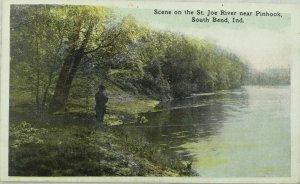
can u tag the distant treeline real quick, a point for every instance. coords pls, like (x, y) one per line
(63, 52)
(278, 76)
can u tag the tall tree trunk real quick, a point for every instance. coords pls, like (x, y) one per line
(46, 92)
(37, 91)
(37, 62)
(58, 100)
(68, 72)
(50, 78)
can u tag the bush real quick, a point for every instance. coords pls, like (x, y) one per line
(82, 151)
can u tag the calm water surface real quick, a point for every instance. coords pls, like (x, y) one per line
(237, 133)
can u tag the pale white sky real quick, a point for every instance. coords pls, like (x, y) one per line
(262, 48)
(262, 42)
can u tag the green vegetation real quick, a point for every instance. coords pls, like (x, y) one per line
(83, 151)
(59, 56)
(60, 53)
(69, 143)
(273, 77)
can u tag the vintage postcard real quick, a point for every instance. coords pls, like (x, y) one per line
(150, 91)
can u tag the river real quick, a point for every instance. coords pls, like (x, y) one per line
(231, 133)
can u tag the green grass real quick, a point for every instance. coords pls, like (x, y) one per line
(76, 150)
(69, 143)
(134, 106)
(129, 111)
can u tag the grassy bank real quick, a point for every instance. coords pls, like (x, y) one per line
(69, 143)
(37, 150)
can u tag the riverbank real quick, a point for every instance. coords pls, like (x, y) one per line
(75, 150)
(70, 143)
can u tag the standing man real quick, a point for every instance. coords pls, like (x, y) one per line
(101, 100)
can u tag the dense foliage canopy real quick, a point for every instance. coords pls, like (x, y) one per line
(60, 54)
(63, 52)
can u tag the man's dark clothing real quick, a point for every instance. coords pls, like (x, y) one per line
(100, 108)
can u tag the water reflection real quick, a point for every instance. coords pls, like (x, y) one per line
(188, 120)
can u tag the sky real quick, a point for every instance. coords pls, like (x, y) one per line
(262, 49)
(262, 42)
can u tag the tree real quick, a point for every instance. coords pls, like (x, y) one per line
(35, 51)
(93, 33)
(57, 49)
(86, 26)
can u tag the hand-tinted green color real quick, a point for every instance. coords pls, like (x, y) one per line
(39, 149)
(239, 133)
(60, 53)
(278, 76)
